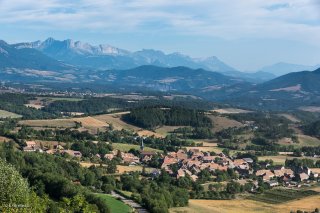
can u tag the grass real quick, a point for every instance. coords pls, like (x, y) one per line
(220, 123)
(6, 114)
(116, 206)
(166, 130)
(118, 124)
(64, 123)
(126, 169)
(280, 159)
(126, 147)
(305, 140)
(88, 123)
(115, 120)
(125, 193)
(278, 196)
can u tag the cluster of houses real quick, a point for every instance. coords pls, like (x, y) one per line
(32, 146)
(192, 162)
(287, 176)
(131, 159)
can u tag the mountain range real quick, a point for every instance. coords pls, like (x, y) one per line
(210, 78)
(107, 57)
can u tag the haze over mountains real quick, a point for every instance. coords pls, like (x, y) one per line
(76, 62)
(105, 57)
(282, 68)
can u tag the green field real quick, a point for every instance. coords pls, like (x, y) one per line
(277, 196)
(116, 206)
(281, 159)
(126, 147)
(6, 114)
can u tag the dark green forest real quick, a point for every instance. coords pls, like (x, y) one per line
(151, 117)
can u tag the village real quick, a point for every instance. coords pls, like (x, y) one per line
(183, 163)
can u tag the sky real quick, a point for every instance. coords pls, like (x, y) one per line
(246, 34)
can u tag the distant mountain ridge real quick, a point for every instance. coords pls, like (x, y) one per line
(289, 91)
(282, 68)
(106, 57)
(26, 58)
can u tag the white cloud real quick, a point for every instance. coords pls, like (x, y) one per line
(288, 19)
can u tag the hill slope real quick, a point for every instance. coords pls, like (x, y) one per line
(26, 64)
(286, 92)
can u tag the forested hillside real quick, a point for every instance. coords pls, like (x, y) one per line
(149, 117)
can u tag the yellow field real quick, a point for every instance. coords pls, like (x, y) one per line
(124, 169)
(247, 206)
(118, 124)
(63, 123)
(230, 111)
(220, 123)
(4, 139)
(115, 120)
(88, 123)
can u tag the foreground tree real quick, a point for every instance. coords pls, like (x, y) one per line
(14, 189)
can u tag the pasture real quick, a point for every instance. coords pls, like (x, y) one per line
(4, 139)
(88, 123)
(305, 140)
(278, 195)
(115, 206)
(6, 114)
(126, 147)
(280, 159)
(114, 119)
(166, 130)
(220, 123)
(230, 111)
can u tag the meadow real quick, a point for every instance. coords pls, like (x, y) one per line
(116, 206)
(126, 147)
(278, 196)
(6, 114)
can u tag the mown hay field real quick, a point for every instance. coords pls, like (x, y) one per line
(248, 206)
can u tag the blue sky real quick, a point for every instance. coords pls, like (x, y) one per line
(246, 34)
